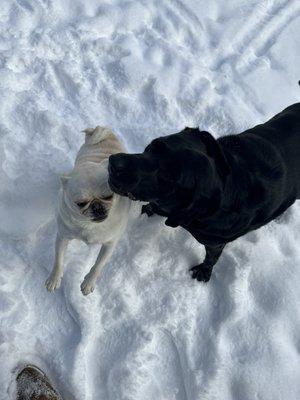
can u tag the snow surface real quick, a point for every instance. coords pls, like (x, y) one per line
(145, 68)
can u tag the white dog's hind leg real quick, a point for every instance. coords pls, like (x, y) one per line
(53, 282)
(88, 285)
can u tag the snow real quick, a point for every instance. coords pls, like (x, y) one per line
(145, 69)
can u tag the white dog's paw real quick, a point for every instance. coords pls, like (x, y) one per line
(53, 283)
(88, 285)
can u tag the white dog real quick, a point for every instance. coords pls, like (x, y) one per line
(88, 210)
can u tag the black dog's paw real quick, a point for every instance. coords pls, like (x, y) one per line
(147, 209)
(201, 272)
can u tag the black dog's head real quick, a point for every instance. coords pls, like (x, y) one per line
(176, 173)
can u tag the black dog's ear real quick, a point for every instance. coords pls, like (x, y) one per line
(169, 170)
(187, 129)
(158, 145)
(179, 167)
(215, 151)
(187, 162)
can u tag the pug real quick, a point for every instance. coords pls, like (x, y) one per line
(88, 209)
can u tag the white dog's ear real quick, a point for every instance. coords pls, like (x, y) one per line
(88, 131)
(101, 130)
(64, 179)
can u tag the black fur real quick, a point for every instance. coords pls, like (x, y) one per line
(219, 189)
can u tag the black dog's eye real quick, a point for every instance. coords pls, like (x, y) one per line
(82, 204)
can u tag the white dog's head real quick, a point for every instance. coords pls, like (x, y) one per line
(86, 189)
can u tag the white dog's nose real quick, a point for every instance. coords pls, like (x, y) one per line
(99, 211)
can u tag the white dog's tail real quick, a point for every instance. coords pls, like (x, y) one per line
(98, 134)
(108, 142)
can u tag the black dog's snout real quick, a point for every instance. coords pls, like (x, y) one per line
(122, 172)
(126, 172)
(118, 164)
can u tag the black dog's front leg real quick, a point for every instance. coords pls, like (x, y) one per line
(147, 209)
(202, 272)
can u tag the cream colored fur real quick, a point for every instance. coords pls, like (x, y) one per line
(89, 180)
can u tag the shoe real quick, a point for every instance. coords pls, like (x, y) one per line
(33, 384)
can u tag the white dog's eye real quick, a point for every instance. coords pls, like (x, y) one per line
(108, 198)
(82, 204)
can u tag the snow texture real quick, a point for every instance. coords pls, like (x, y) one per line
(144, 68)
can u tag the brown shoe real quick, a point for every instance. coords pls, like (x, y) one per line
(33, 384)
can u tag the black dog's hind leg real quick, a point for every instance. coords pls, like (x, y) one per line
(202, 272)
(147, 209)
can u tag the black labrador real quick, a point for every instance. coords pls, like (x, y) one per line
(219, 189)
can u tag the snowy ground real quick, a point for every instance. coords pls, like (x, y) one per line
(145, 68)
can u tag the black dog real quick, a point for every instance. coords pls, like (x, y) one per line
(219, 189)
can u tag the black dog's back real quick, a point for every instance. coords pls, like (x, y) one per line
(271, 150)
(283, 131)
(264, 179)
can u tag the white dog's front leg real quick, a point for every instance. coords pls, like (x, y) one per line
(53, 282)
(88, 285)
